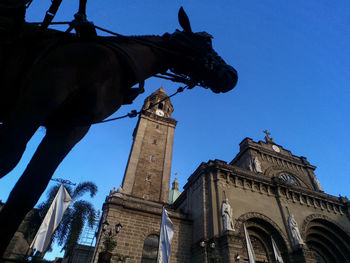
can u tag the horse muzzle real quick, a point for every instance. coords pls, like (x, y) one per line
(222, 79)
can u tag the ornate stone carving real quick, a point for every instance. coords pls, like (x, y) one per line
(256, 164)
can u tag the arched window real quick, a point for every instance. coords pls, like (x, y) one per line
(160, 106)
(150, 249)
(288, 178)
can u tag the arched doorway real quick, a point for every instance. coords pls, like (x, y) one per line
(260, 232)
(328, 242)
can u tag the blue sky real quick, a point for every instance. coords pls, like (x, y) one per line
(293, 62)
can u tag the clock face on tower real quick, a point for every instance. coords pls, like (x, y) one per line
(160, 113)
(275, 148)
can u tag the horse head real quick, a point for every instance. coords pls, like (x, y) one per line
(197, 59)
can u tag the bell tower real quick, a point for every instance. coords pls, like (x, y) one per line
(148, 170)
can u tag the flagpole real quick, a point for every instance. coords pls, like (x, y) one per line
(161, 221)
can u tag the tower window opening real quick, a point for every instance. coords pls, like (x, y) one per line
(148, 177)
(154, 141)
(157, 126)
(160, 106)
(151, 158)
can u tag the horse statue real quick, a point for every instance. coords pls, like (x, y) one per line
(66, 83)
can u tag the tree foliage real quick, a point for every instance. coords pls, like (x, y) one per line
(109, 243)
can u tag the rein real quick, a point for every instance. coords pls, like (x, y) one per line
(134, 113)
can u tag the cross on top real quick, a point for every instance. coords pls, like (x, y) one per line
(268, 139)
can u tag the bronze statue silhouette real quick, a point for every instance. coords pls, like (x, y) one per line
(66, 83)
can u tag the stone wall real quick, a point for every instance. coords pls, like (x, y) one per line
(264, 205)
(141, 218)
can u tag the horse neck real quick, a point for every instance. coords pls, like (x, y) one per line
(150, 53)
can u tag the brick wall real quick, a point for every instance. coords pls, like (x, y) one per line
(140, 219)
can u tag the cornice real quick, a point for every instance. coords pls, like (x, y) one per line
(152, 116)
(141, 205)
(293, 160)
(248, 144)
(241, 178)
(196, 174)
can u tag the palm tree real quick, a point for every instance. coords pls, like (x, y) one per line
(79, 212)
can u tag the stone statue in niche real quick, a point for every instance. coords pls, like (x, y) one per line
(256, 165)
(253, 164)
(111, 192)
(294, 230)
(316, 184)
(226, 213)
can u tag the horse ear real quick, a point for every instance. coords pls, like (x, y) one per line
(184, 21)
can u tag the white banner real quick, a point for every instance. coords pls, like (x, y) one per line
(52, 219)
(276, 251)
(166, 236)
(251, 254)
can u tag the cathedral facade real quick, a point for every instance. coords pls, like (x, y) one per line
(266, 189)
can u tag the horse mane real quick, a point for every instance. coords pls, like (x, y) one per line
(130, 39)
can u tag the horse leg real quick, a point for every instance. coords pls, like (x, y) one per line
(13, 141)
(17, 129)
(52, 150)
(40, 98)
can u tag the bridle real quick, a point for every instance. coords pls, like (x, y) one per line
(175, 77)
(182, 52)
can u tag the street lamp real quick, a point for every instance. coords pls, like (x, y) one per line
(208, 253)
(118, 227)
(105, 225)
